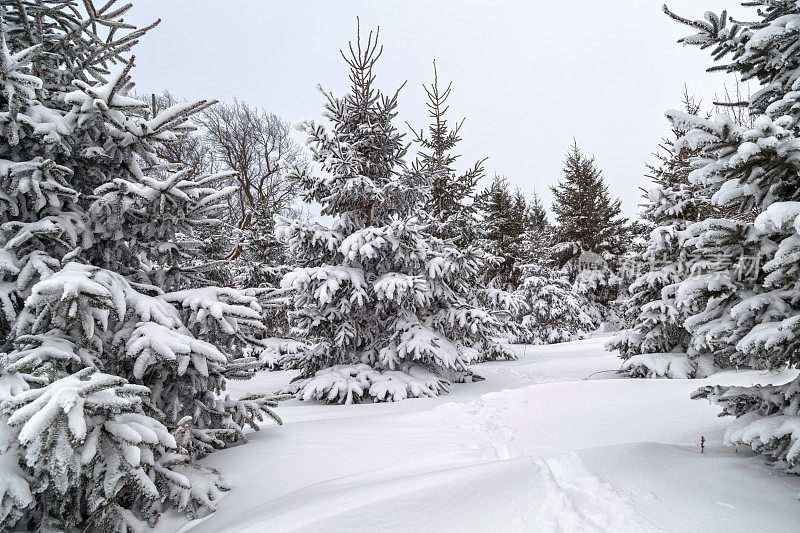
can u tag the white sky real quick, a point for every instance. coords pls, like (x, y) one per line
(528, 75)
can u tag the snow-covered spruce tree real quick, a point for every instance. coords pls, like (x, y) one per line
(587, 217)
(538, 238)
(452, 196)
(751, 318)
(598, 282)
(554, 311)
(502, 232)
(588, 226)
(658, 344)
(379, 296)
(451, 209)
(112, 363)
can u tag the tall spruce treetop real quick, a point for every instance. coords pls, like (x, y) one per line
(382, 299)
(114, 357)
(588, 219)
(364, 152)
(674, 200)
(748, 311)
(452, 195)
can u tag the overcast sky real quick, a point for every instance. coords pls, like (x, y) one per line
(528, 75)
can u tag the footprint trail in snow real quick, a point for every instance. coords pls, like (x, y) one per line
(570, 496)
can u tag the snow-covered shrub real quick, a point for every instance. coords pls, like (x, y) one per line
(354, 383)
(668, 365)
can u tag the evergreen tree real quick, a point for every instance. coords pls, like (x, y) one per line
(539, 235)
(536, 215)
(590, 233)
(381, 298)
(553, 311)
(503, 212)
(743, 302)
(588, 219)
(114, 353)
(452, 195)
(671, 205)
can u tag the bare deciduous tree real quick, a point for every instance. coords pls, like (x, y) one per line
(191, 149)
(249, 141)
(735, 103)
(253, 142)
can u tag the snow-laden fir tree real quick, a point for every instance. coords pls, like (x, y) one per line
(381, 298)
(452, 195)
(451, 206)
(588, 219)
(589, 231)
(748, 311)
(658, 344)
(554, 311)
(114, 356)
(502, 233)
(538, 238)
(598, 281)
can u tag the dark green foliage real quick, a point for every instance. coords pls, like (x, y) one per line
(539, 236)
(588, 219)
(452, 194)
(503, 230)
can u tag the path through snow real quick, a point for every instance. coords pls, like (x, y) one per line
(534, 447)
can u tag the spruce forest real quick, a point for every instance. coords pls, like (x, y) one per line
(217, 318)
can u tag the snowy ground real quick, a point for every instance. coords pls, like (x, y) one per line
(534, 447)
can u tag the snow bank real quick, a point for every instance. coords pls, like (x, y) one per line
(534, 447)
(527, 494)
